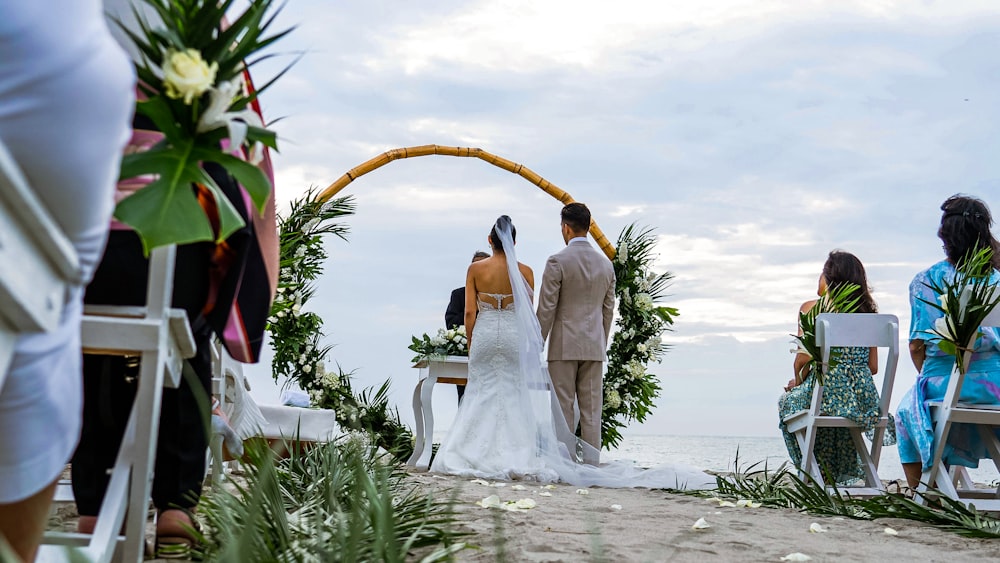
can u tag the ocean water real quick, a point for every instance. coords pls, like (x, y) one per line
(719, 453)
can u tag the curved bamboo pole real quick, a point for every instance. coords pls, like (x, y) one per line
(426, 150)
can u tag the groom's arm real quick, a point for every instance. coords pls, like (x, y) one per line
(548, 297)
(609, 308)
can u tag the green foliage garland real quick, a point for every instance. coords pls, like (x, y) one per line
(629, 389)
(299, 356)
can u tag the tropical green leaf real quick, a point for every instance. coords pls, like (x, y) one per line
(162, 213)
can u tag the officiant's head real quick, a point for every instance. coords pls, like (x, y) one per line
(575, 221)
(494, 238)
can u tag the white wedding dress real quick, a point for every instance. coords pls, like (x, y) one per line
(509, 425)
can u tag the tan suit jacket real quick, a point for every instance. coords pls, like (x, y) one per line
(577, 302)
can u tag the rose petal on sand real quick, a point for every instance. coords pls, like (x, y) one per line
(548, 487)
(815, 528)
(796, 557)
(701, 524)
(480, 482)
(498, 485)
(582, 492)
(727, 504)
(890, 532)
(544, 494)
(525, 503)
(615, 507)
(491, 501)
(517, 487)
(747, 504)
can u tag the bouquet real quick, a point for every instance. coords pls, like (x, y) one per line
(450, 342)
(965, 302)
(193, 88)
(835, 300)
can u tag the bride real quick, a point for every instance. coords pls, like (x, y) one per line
(509, 424)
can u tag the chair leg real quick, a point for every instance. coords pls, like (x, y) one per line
(141, 439)
(867, 464)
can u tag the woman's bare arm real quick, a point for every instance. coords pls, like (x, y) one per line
(918, 352)
(470, 305)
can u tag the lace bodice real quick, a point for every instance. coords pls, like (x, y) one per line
(498, 298)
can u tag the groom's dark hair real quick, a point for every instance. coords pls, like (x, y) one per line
(495, 237)
(577, 216)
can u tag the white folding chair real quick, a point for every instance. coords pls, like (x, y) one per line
(37, 262)
(161, 337)
(954, 481)
(849, 330)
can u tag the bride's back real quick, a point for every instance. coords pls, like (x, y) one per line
(490, 276)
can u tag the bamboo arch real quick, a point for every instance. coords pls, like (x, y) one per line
(426, 150)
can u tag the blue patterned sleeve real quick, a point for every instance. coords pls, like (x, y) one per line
(922, 315)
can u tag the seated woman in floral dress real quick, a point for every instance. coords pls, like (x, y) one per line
(965, 228)
(848, 389)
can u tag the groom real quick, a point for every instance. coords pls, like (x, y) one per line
(575, 307)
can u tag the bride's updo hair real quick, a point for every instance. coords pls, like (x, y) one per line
(503, 221)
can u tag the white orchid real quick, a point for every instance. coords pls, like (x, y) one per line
(815, 528)
(237, 123)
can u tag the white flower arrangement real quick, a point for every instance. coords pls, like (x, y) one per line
(447, 342)
(629, 389)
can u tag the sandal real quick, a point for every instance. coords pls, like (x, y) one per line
(176, 533)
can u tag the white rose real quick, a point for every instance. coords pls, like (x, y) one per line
(307, 369)
(641, 348)
(644, 301)
(186, 75)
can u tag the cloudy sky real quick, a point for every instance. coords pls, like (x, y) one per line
(753, 135)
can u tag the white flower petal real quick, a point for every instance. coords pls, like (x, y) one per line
(498, 485)
(517, 487)
(615, 507)
(582, 492)
(815, 528)
(480, 482)
(727, 504)
(796, 557)
(548, 487)
(890, 532)
(544, 494)
(491, 501)
(744, 503)
(701, 524)
(525, 503)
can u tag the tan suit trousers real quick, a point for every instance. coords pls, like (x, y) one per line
(580, 381)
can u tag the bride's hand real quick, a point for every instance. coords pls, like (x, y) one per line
(791, 384)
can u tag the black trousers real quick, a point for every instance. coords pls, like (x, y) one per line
(110, 383)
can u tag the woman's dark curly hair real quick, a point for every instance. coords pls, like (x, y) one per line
(844, 268)
(965, 229)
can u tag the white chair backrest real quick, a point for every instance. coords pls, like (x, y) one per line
(862, 329)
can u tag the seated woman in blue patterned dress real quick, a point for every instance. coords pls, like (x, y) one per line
(848, 389)
(965, 227)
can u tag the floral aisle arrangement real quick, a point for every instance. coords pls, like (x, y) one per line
(296, 334)
(450, 342)
(965, 302)
(192, 85)
(835, 300)
(629, 389)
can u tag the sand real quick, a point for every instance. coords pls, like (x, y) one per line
(657, 526)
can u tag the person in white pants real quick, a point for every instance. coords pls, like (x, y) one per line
(66, 101)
